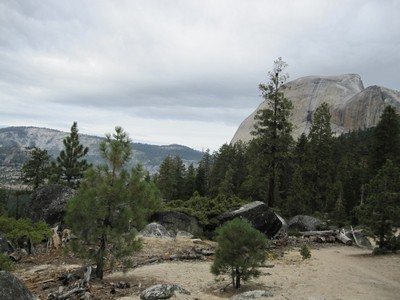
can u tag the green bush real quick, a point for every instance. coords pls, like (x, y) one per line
(240, 251)
(5, 263)
(305, 252)
(13, 229)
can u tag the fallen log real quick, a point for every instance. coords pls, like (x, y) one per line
(343, 238)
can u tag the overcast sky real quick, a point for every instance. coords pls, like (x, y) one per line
(184, 72)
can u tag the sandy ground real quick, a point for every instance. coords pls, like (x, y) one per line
(335, 272)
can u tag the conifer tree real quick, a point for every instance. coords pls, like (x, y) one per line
(321, 160)
(69, 166)
(36, 170)
(273, 128)
(109, 202)
(386, 139)
(240, 251)
(381, 209)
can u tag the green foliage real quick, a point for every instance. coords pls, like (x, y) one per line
(305, 252)
(116, 150)
(109, 205)
(35, 171)
(69, 166)
(3, 202)
(381, 209)
(14, 229)
(240, 251)
(5, 263)
(205, 209)
(273, 129)
(386, 139)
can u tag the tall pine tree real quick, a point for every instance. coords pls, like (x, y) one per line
(69, 166)
(273, 128)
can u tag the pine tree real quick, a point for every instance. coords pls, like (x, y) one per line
(240, 251)
(386, 139)
(36, 170)
(273, 128)
(321, 159)
(110, 201)
(381, 209)
(69, 166)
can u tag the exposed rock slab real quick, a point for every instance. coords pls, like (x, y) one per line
(257, 294)
(162, 291)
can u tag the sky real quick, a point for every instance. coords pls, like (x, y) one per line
(179, 72)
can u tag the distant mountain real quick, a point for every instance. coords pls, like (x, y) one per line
(15, 143)
(352, 106)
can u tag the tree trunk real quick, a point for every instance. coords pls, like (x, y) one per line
(100, 257)
(237, 285)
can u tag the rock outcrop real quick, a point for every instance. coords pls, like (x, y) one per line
(306, 223)
(351, 105)
(48, 203)
(259, 216)
(176, 221)
(12, 288)
(162, 291)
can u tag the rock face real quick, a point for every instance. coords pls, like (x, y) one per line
(12, 288)
(156, 230)
(351, 105)
(259, 215)
(5, 246)
(48, 203)
(162, 291)
(306, 223)
(177, 221)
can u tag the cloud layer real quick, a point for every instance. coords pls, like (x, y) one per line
(182, 72)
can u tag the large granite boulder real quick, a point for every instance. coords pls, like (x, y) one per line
(162, 291)
(11, 288)
(306, 223)
(176, 222)
(259, 215)
(352, 106)
(48, 203)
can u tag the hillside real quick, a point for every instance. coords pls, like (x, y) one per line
(15, 143)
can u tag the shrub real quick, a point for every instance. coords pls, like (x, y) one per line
(240, 251)
(14, 229)
(5, 263)
(305, 252)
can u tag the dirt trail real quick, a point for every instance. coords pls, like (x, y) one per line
(332, 273)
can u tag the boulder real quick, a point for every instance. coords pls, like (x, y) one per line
(252, 295)
(177, 221)
(162, 291)
(5, 245)
(259, 215)
(306, 223)
(12, 288)
(156, 230)
(48, 203)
